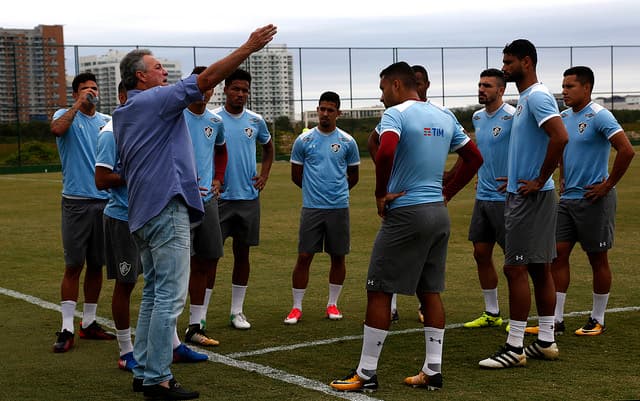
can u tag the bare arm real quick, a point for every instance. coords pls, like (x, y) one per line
(218, 71)
(267, 160)
(105, 178)
(558, 138)
(62, 124)
(296, 174)
(624, 154)
(353, 175)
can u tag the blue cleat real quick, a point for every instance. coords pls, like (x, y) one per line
(184, 354)
(127, 362)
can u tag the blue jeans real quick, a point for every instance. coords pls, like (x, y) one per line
(164, 244)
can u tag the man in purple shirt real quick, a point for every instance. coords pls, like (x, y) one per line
(164, 200)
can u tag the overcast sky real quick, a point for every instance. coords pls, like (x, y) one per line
(340, 23)
(335, 22)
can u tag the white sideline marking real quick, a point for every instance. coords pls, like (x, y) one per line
(268, 371)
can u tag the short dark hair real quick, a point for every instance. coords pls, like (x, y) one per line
(82, 78)
(418, 68)
(332, 97)
(198, 69)
(522, 48)
(402, 71)
(238, 75)
(496, 73)
(121, 88)
(583, 74)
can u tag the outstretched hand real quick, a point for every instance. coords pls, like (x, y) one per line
(261, 37)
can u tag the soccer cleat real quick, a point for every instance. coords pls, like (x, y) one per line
(293, 317)
(127, 362)
(506, 357)
(95, 332)
(184, 354)
(485, 320)
(558, 329)
(538, 350)
(423, 380)
(507, 327)
(592, 328)
(239, 321)
(333, 313)
(64, 341)
(395, 316)
(353, 382)
(420, 315)
(195, 335)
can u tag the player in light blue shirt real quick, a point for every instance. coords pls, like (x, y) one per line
(492, 126)
(409, 253)
(586, 212)
(207, 135)
(76, 130)
(324, 163)
(239, 203)
(535, 149)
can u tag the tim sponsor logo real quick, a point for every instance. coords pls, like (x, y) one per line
(433, 132)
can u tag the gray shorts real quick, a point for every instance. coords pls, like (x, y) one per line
(123, 258)
(240, 219)
(206, 237)
(487, 222)
(324, 226)
(591, 224)
(82, 233)
(410, 251)
(530, 227)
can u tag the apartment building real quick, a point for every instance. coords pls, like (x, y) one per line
(32, 74)
(271, 83)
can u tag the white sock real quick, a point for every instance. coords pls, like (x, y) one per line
(433, 338)
(599, 306)
(334, 293)
(124, 340)
(491, 301)
(207, 299)
(371, 348)
(545, 328)
(559, 312)
(176, 339)
(237, 298)
(88, 314)
(68, 312)
(516, 333)
(394, 302)
(196, 312)
(298, 295)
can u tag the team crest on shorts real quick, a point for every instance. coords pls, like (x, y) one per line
(124, 268)
(496, 131)
(335, 147)
(208, 131)
(582, 127)
(248, 132)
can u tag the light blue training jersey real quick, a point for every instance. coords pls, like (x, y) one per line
(241, 133)
(586, 155)
(493, 132)
(325, 158)
(107, 157)
(206, 131)
(77, 150)
(528, 145)
(427, 135)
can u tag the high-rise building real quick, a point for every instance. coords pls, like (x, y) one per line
(106, 68)
(32, 76)
(271, 83)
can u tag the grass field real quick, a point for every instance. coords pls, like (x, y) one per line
(277, 362)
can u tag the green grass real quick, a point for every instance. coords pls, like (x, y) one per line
(604, 367)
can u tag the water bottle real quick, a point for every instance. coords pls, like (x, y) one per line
(92, 99)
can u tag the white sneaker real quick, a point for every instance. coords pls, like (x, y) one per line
(239, 321)
(506, 357)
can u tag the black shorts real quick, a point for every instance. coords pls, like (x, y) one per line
(123, 258)
(82, 232)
